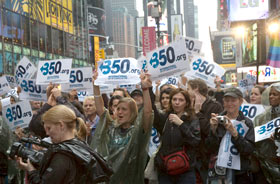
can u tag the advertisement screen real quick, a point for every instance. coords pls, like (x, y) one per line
(96, 21)
(224, 49)
(241, 10)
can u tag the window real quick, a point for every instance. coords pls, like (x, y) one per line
(55, 39)
(7, 26)
(49, 39)
(16, 29)
(8, 63)
(34, 34)
(42, 37)
(60, 43)
(26, 31)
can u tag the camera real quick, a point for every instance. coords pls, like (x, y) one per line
(35, 157)
(277, 140)
(221, 119)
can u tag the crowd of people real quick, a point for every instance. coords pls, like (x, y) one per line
(203, 138)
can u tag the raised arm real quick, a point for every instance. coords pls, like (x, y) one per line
(147, 115)
(97, 96)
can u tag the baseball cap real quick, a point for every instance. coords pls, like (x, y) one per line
(233, 92)
(136, 92)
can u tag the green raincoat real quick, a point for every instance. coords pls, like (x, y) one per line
(124, 149)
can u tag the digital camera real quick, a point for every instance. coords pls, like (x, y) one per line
(221, 119)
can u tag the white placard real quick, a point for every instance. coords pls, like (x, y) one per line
(265, 131)
(251, 110)
(55, 71)
(228, 155)
(168, 60)
(12, 92)
(154, 142)
(31, 91)
(4, 85)
(106, 89)
(11, 80)
(118, 71)
(193, 45)
(83, 94)
(142, 62)
(206, 70)
(24, 69)
(18, 114)
(80, 79)
(5, 102)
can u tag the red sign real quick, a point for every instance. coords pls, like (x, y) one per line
(148, 39)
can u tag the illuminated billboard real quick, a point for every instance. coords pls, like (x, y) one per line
(241, 10)
(56, 13)
(249, 44)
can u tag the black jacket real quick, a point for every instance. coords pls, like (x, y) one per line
(70, 161)
(204, 115)
(244, 145)
(174, 137)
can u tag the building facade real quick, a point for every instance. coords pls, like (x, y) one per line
(42, 30)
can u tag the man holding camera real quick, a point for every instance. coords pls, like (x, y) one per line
(232, 137)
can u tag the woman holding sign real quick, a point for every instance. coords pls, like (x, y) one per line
(123, 141)
(232, 137)
(266, 149)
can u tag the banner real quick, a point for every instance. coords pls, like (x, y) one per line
(55, 71)
(139, 25)
(148, 39)
(118, 71)
(96, 21)
(31, 91)
(251, 110)
(228, 155)
(80, 79)
(206, 70)
(265, 131)
(176, 26)
(18, 114)
(273, 58)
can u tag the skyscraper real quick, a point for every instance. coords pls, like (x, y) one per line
(190, 17)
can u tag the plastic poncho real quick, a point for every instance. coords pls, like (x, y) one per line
(266, 149)
(124, 149)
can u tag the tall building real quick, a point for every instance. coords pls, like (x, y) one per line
(45, 29)
(129, 4)
(190, 17)
(123, 32)
(222, 18)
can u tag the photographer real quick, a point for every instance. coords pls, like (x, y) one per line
(266, 149)
(60, 166)
(232, 135)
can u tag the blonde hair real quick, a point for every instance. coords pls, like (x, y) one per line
(89, 98)
(66, 115)
(132, 106)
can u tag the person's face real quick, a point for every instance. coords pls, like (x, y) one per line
(36, 104)
(232, 104)
(118, 92)
(191, 91)
(12, 100)
(89, 107)
(123, 113)
(255, 97)
(178, 103)
(115, 105)
(274, 97)
(165, 100)
(54, 131)
(139, 100)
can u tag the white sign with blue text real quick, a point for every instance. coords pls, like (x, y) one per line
(251, 110)
(31, 91)
(55, 71)
(154, 142)
(168, 60)
(4, 85)
(24, 69)
(18, 114)
(206, 70)
(118, 71)
(193, 45)
(80, 79)
(228, 155)
(266, 130)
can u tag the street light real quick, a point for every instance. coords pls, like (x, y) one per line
(273, 28)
